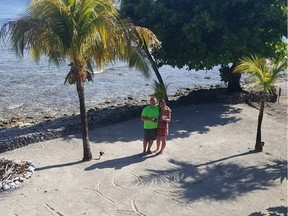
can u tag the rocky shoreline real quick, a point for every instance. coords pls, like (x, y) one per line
(15, 134)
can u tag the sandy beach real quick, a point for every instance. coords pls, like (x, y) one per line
(209, 168)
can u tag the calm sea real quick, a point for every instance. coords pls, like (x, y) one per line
(29, 89)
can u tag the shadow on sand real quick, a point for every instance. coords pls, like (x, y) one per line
(119, 163)
(58, 165)
(220, 181)
(272, 211)
(180, 127)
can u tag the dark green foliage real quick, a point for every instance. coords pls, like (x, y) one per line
(205, 33)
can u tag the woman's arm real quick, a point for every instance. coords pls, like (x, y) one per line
(168, 111)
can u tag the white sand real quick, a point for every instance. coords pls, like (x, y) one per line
(207, 168)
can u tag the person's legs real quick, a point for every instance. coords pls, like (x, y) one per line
(144, 145)
(153, 136)
(158, 142)
(145, 140)
(163, 145)
(150, 143)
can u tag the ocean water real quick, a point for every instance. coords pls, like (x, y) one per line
(29, 89)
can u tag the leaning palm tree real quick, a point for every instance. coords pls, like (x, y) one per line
(145, 44)
(265, 73)
(86, 33)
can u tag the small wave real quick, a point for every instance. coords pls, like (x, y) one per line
(14, 106)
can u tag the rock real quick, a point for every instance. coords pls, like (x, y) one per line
(31, 168)
(6, 187)
(27, 175)
(12, 185)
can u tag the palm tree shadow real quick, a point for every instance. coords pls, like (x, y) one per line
(226, 158)
(58, 165)
(277, 169)
(221, 181)
(119, 163)
(272, 211)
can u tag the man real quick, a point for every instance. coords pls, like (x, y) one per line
(150, 116)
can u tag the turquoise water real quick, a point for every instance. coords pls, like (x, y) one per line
(10, 9)
(29, 89)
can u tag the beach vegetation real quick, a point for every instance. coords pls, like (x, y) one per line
(160, 90)
(265, 73)
(201, 34)
(87, 34)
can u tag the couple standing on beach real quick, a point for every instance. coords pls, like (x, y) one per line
(156, 119)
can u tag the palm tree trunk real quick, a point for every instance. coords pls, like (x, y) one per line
(155, 68)
(259, 145)
(87, 155)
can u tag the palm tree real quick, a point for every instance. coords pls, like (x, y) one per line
(87, 33)
(145, 46)
(265, 73)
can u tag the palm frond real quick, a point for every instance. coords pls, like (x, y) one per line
(160, 90)
(266, 72)
(135, 58)
(147, 37)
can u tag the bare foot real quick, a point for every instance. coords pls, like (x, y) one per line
(149, 152)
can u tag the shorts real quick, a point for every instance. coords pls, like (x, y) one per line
(150, 134)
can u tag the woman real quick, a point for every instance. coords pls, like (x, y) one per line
(163, 123)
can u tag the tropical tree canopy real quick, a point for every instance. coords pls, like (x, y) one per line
(204, 33)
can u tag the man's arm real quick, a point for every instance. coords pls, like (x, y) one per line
(143, 118)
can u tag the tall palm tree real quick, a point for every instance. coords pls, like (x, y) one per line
(87, 33)
(265, 73)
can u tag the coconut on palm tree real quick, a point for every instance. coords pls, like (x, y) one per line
(86, 33)
(265, 73)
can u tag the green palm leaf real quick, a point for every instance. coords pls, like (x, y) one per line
(265, 71)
